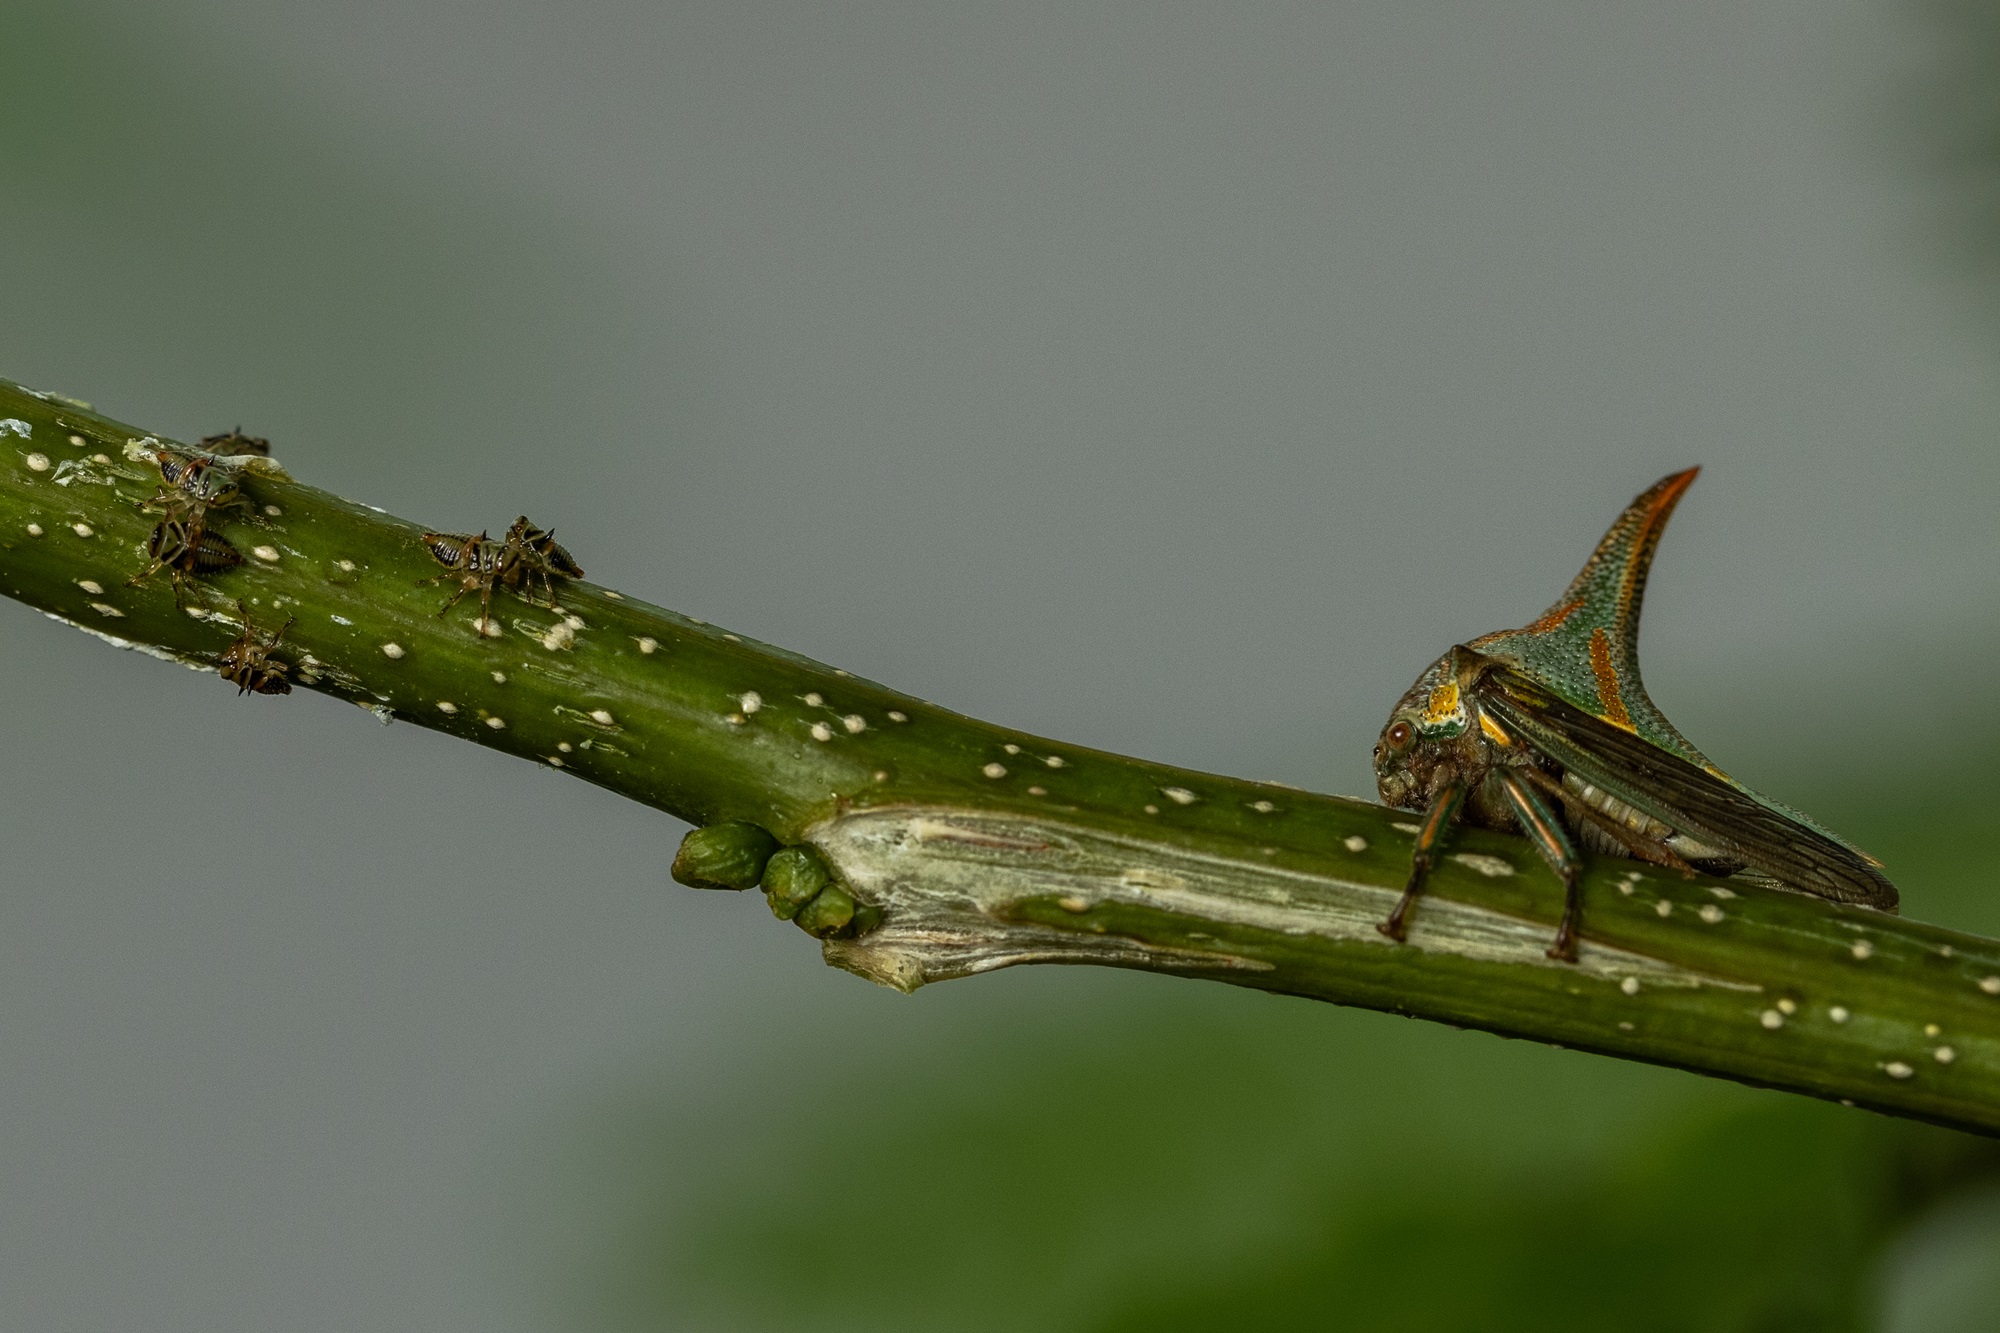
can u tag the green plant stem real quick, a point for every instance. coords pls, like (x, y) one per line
(967, 847)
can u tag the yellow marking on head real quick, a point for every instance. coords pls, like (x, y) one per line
(1607, 681)
(1443, 707)
(1494, 731)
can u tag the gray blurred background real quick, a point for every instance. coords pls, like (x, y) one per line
(1173, 379)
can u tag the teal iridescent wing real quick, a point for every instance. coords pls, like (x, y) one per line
(1688, 798)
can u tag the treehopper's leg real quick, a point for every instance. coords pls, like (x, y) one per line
(1422, 857)
(1545, 829)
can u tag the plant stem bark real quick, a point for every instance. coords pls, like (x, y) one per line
(966, 847)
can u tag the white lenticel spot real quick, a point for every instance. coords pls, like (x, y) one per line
(560, 638)
(489, 628)
(106, 609)
(1710, 913)
(1771, 1019)
(614, 596)
(499, 678)
(1154, 810)
(1011, 748)
(602, 717)
(1625, 887)
(447, 707)
(733, 638)
(1262, 807)
(813, 699)
(34, 529)
(1354, 842)
(822, 732)
(82, 529)
(995, 770)
(1722, 893)
(881, 775)
(264, 552)
(1897, 1069)
(1054, 761)
(91, 586)
(565, 747)
(1663, 907)
(1624, 1027)
(1932, 1030)
(392, 651)
(649, 645)
(273, 510)
(1944, 1055)
(1630, 985)
(497, 723)
(895, 716)
(1838, 1013)
(1411, 829)
(1788, 1007)
(1038, 791)
(1179, 795)
(555, 761)
(344, 566)
(100, 458)
(339, 620)
(574, 622)
(78, 441)
(1490, 866)
(751, 701)
(38, 462)
(1991, 985)
(1862, 949)
(855, 724)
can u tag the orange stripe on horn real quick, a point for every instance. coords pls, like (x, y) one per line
(1607, 680)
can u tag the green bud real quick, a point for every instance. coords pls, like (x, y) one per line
(792, 879)
(828, 914)
(724, 856)
(867, 916)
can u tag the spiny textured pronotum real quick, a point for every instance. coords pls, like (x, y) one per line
(1548, 729)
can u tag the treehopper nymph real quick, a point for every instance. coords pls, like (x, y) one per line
(1548, 730)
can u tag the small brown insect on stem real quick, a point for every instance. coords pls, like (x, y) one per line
(247, 662)
(479, 563)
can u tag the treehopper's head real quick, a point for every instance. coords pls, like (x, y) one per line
(1428, 737)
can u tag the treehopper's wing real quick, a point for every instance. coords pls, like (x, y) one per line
(1709, 809)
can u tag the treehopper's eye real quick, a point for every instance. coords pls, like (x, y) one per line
(1399, 735)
